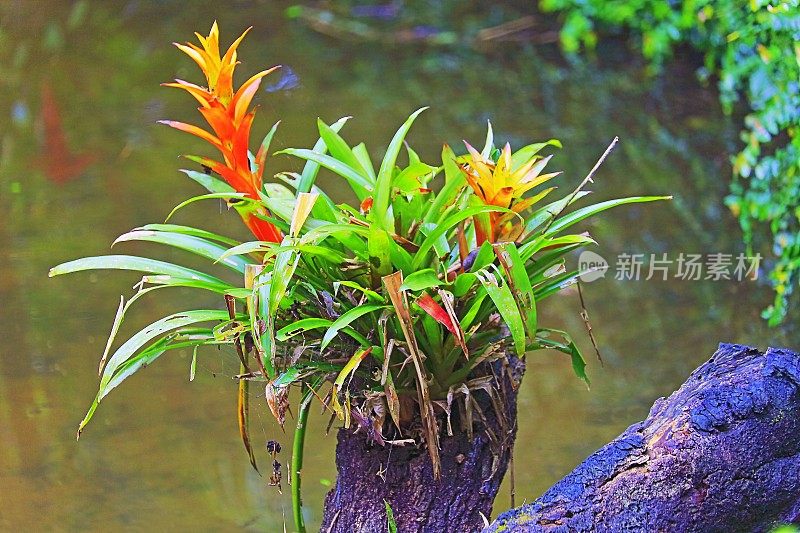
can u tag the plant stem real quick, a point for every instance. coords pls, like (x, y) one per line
(297, 460)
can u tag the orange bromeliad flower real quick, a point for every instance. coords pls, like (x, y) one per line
(503, 185)
(228, 114)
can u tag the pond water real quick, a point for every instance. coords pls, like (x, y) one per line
(82, 161)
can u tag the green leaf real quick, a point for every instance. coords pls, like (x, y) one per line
(408, 180)
(195, 245)
(421, 280)
(163, 281)
(160, 282)
(400, 257)
(529, 249)
(211, 196)
(265, 144)
(474, 308)
(140, 264)
(524, 154)
(449, 223)
(280, 191)
(441, 246)
(360, 184)
(506, 305)
(541, 267)
(547, 212)
(311, 168)
(383, 185)
(350, 235)
(282, 273)
(188, 230)
(556, 284)
(585, 212)
(305, 324)
(483, 258)
(122, 369)
(287, 377)
(249, 248)
(578, 363)
(339, 149)
(391, 524)
(520, 285)
(326, 230)
(568, 347)
(379, 247)
(157, 328)
(455, 181)
(346, 319)
(361, 153)
(353, 285)
(212, 184)
(463, 283)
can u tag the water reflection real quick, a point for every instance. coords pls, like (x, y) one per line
(164, 453)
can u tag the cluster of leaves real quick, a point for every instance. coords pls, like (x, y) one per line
(753, 48)
(388, 312)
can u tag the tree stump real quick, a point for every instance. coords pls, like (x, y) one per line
(402, 476)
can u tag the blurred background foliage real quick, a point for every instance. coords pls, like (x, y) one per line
(752, 50)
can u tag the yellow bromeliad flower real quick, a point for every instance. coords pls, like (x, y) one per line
(229, 115)
(503, 185)
(218, 70)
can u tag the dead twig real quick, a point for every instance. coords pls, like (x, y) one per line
(587, 179)
(585, 317)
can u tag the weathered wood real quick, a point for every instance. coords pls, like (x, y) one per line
(720, 454)
(472, 470)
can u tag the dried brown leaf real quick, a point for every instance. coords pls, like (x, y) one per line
(392, 282)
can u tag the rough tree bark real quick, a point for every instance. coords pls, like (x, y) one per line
(471, 474)
(720, 454)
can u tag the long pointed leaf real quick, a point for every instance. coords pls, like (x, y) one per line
(139, 264)
(346, 319)
(524, 154)
(549, 211)
(190, 243)
(349, 368)
(506, 305)
(339, 149)
(585, 212)
(211, 183)
(210, 196)
(448, 224)
(360, 184)
(520, 285)
(188, 230)
(157, 328)
(455, 181)
(383, 186)
(311, 168)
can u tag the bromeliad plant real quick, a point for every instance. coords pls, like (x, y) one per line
(389, 312)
